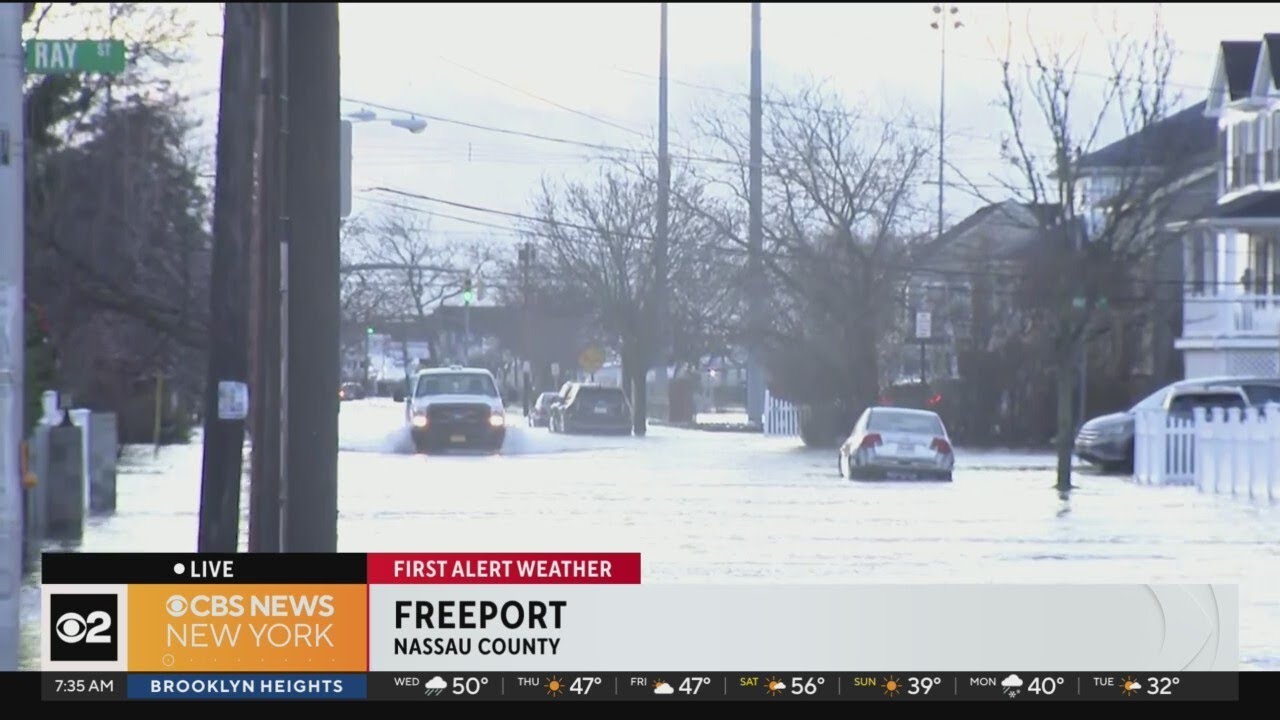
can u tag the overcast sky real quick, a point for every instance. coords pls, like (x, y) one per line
(602, 59)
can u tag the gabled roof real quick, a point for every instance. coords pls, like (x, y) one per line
(1183, 135)
(1240, 59)
(1233, 73)
(1266, 74)
(1272, 43)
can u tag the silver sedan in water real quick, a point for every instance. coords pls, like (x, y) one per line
(897, 443)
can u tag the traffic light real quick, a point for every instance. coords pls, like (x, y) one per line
(368, 330)
(467, 294)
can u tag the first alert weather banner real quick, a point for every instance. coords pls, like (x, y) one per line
(429, 624)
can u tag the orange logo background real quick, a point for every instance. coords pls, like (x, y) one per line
(248, 628)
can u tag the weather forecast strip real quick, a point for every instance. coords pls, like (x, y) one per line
(651, 686)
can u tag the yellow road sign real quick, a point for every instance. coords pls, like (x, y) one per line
(591, 359)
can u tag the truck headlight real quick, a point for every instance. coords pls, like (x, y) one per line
(419, 420)
(497, 419)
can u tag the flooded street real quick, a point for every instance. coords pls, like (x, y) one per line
(731, 508)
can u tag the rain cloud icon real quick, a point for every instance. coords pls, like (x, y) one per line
(436, 683)
(1013, 681)
(663, 689)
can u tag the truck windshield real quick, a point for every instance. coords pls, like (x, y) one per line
(456, 384)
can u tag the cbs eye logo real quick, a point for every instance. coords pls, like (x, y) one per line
(82, 628)
(176, 605)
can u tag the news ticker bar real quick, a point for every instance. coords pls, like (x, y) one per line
(638, 686)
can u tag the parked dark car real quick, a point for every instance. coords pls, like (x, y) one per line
(589, 408)
(540, 413)
(351, 391)
(1107, 441)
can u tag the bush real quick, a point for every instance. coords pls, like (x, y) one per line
(826, 425)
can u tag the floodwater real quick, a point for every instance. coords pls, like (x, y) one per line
(723, 507)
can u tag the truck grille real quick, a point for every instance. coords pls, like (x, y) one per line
(459, 413)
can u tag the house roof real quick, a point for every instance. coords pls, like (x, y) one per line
(1184, 134)
(1007, 227)
(1272, 41)
(1265, 205)
(1240, 59)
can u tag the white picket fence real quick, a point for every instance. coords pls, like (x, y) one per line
(781, 418)
(1219, 450)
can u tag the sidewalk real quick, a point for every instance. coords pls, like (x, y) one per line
(714, 422)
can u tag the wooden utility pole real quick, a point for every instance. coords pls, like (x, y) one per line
(264, 488)
(313, 365)
(226, 388)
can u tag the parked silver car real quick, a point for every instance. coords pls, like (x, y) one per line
(897, 443)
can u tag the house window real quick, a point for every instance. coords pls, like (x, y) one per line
(1236, 169)
(1211, 263)
(1202, 264)
(1197, 264)
(1269, 139)
(1263, 268)
(1274, 156)
(1251, 154)
(1224, 159)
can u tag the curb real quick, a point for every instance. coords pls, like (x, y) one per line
(709, 427)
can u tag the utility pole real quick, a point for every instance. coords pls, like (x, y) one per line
(946, 13)
(226, 389)
(755, 233)
(526, 263)
(310, 482)
(655, 354)
(12, 327)
(264, 486)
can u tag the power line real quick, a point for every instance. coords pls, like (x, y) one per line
(1093, 74)
(900, 268)
(539, 98)
(773, 102)
(602, 147)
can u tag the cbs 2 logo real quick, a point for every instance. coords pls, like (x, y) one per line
(74, 627)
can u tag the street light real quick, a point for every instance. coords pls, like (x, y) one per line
(413, 123)
(945, 14)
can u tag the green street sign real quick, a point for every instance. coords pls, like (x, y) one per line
(55, 57)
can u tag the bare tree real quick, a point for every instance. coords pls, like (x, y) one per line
(595, 243)
(843, 222)
(1101, 211)
(397, 270)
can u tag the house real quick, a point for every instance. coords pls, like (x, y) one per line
(1231, 304)
(978, 331)
(1169, 167)
(1003, 271)
(958, 290)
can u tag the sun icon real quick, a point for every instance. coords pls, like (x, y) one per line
(1129, 685)
(891, 686)
(774, 686)
(554, 686)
